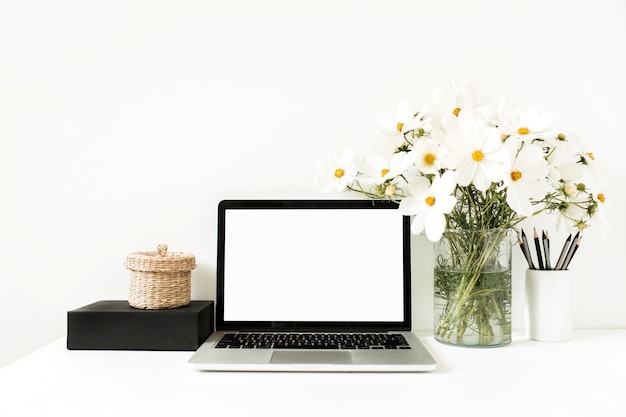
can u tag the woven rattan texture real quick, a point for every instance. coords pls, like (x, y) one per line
(160, 280)
(159, 290)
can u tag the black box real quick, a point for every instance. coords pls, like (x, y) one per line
(115, 325)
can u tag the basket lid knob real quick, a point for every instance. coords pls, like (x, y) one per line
(162, 250)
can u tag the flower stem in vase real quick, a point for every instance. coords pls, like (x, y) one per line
(472, 288)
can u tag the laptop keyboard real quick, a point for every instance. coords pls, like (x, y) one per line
(312, 341)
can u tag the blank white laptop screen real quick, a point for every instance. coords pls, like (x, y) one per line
(313, 265)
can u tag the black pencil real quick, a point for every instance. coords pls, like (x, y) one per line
(538, 247)
(546, 249)
(570, 250)
(559, 262)
(526, 254)
(527, 250)
(573, 250)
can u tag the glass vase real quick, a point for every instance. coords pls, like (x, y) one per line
(472, 288)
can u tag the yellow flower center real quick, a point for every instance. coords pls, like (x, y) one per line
(429, 159)
(523, 131)
(590, 156)
(601, 198)
(477, 156)
(400, 126)
(430, 200)
(456, 111)
(516, 175)
(339, 173)
(384, 172)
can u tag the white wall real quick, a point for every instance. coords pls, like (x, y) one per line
(123, 123)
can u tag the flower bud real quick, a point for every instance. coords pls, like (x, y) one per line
(390, 190)
(570, 189)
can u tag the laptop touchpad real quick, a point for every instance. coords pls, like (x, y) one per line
(298, 356)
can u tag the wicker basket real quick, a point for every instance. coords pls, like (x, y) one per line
(160, 280)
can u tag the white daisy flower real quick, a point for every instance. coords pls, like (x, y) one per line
(429, 203)
(607, 210)
(394, 127)
(586, 160)
(525, 125)
(526, 180)
(402, 121)
(491, 113)
(451, 99)
(476, 153)
(429, 155)
(378, 169)
(336, 173)
(563, 165)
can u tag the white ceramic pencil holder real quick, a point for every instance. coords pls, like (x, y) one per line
(549, 305)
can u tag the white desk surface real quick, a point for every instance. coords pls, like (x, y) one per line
(581, 377)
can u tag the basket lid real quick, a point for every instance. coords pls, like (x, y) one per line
(160, 261)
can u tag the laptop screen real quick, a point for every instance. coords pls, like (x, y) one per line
(312, 265)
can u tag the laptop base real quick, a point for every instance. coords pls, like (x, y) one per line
(416, 359)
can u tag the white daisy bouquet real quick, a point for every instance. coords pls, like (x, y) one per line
(457, 164)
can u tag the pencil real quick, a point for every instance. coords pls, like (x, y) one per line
(570, 250)
(538, 247)
(559, 262)
(526, 254)
(575, 246)
(527, 250)
(546, 249)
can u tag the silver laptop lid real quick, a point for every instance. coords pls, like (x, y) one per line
(304, 265)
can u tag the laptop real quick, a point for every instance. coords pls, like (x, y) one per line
(313, 285)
